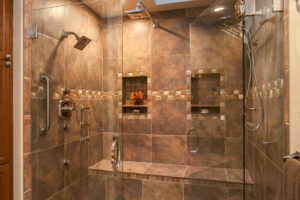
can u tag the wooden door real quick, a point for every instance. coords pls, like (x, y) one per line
(6, 99)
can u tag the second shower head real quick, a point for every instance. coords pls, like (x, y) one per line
(82, 41)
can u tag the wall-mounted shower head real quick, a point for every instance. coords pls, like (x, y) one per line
(140, 12)
(82, 41)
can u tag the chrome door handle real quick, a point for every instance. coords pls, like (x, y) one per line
(43, 130)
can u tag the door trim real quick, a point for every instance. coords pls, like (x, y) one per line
(18, 100)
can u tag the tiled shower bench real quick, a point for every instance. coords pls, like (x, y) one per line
(153, 181)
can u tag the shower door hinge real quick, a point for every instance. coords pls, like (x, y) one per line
(34, 32)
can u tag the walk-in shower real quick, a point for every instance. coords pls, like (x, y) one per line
(150, 113)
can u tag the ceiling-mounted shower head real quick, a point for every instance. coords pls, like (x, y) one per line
(140, 12)
(82, 41)
(219, 11)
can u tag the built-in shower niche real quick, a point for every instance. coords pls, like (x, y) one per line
(130, 85)
(205, 91)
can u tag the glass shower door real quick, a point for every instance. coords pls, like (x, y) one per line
(75, 60)
(265, 147)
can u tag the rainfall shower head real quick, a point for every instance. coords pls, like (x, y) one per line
(218, 12)
(140, 12)
(82, 41)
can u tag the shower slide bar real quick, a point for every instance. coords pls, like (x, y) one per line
(82, 124)
(43, 130)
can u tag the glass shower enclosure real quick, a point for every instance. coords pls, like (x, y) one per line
(150, 106)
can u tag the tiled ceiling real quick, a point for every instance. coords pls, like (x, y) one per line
(109, 8)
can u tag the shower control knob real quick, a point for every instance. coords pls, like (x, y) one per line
(8, 64)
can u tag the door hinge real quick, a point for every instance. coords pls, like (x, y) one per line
(34, 32)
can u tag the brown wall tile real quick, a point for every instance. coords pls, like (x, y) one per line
(162, 190)
(95, 149)
(27, 134)
(96, 187)
(169, 117)
(132, 189)
(169, 149)
(198, 192)
(140, 126)
(137, 147)
(169, 72)
(27, 96)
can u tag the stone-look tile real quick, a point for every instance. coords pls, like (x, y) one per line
(162, 190)
(198, 192)
(166, 170)
(112, 41)
(76, 20)
(48, 173)
(205, 173)
(215, 49)
(50, 21)
(234, 152)
(137, 147)
(259, 174)
(94, 81)
(235, 194)
(273, 182)
(78, 190)
(55, 134)
(77, 153)
(110, 116)
(209, 127)
(111, 67)
(205, 89)
(59, 196)
(27, 134)
(136, 38)
(38, 4)
(95, 149)
(237, 175)
(96, 187)
(27, 58)
(27, 96)
(49, 59)
(274, 140)
(95, 117)
(274, 47)
(169, 72)
(234, 118)
(172, 37)
(139, 126)
(169, 149)
(132, 189)
(135, 167)
(113, 188)
(169, 117)
(211, 153)
(76, 69)
(136, 65)
(27, 172)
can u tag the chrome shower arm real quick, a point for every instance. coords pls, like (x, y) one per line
(66, 33)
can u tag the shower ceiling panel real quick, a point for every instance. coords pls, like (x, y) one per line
(131, 4)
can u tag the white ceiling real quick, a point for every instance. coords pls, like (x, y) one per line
(109, 8)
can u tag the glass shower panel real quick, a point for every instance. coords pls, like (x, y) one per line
(265, 147)
(75, 59)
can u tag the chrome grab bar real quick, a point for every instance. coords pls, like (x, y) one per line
(116, 152)
(43, 130)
